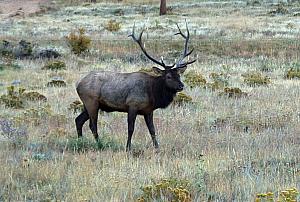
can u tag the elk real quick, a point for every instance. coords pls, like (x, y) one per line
(135, 93)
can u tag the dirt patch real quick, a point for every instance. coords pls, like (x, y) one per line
(9, 8)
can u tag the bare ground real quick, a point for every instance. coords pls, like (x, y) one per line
(12, 8)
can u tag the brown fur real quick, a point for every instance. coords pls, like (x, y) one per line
(135, 93)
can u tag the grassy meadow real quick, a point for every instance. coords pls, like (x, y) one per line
(237, 137)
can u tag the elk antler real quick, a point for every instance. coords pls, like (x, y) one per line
(186, 53)
(139, 41)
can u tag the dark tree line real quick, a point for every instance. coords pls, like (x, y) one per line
(162, 10)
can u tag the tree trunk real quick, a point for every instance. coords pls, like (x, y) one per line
(163, 7)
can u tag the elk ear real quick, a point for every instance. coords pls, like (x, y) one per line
(157, 70)
(181, 70)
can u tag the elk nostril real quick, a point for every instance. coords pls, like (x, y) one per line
(181, 86)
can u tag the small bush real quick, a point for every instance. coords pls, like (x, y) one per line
(255, 79)
(288, 195)
(113, 26)
(23, 49)
(233, 93)
(17, 98)
(34, 115)
(4, 66)
(219, 81)
(6, 48)
(253, 3)
(47, 53)
(8, 62)
(118, 12)
(171, 189)
(79, 43)
(34, 96)
(76, 106)
(55, 65)
(13, 99)
(266, 67)
(182, 98)
(280, 10)
(293, 73)
(37, 156)
(56, 82)
(194, 79)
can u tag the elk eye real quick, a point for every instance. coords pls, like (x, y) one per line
(169, 76)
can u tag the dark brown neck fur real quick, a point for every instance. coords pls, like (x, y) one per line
(163, 95)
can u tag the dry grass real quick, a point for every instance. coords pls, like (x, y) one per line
(229, 149)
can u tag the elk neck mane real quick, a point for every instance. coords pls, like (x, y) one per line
(163, 96)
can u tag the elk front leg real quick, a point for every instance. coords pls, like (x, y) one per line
(149, 122)
(131, 121)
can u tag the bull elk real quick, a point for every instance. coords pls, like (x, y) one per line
(135, 93)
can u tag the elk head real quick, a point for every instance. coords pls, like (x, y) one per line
(170, 73)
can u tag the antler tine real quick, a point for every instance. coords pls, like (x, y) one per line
(139, 42)
(180, 32)
(185, 51)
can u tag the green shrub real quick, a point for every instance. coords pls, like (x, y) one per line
(34, 115)
(13, 98)
(79, 42)
(17, 98)
(233, 93)
(56, 82)
(6, 49)
(55, 65)
(113, 26)
(182, 98)
(253, 3)
(34, 96)
(280, 10)
(4, 66)
(256, 79)
(171, 189)
(288, 195)
(220, 80)
(194, 79)
(293, 73)
(76, 106)
(118, 12)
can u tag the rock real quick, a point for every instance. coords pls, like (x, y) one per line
(47, 53)
(16, 82)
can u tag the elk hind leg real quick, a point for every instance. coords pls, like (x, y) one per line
(80, 120)
(92, 107)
